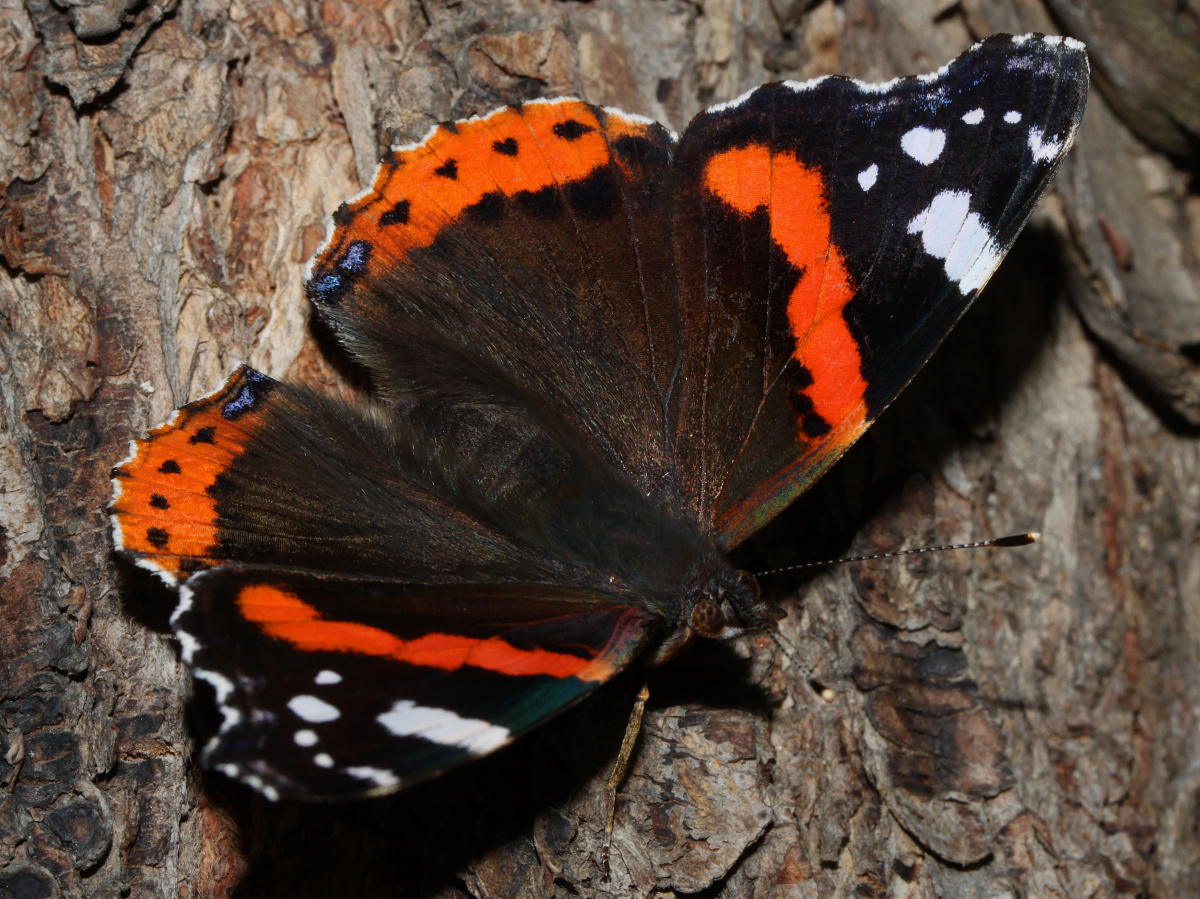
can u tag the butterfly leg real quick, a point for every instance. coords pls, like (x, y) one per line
(621, 767)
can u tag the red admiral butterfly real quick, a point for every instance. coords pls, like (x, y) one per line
(603, 356)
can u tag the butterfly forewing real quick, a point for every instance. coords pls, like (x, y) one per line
(401, 680)
(829, 234)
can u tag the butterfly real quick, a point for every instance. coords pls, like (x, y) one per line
(602, 356)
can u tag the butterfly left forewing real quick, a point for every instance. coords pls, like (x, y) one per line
(829, 234)
(339, 686)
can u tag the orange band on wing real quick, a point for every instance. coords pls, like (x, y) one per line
(284, 616)
(752, 178)
(163, 507)
(422, 189)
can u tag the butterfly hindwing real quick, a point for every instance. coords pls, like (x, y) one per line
(266, 473)
(829, 234)
(400, 680)
(522, 257)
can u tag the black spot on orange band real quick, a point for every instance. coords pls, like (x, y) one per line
(814, 425)
(449, 169)
(397, 215)
(540, 204)
(507, 147)
(597, 196)
(633, 150)
(572, 129)
(162, 509)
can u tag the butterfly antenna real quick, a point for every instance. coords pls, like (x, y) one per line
(1012, 540)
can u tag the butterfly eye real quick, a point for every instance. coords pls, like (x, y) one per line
(708, 619)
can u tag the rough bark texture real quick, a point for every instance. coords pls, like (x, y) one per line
(1020, 723)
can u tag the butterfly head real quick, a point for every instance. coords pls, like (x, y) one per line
(728, 606)
(723, 605)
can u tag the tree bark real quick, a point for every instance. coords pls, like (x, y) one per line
(1015, 723)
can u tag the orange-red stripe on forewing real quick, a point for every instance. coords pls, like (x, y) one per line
(754, 177)
(285, 616)
(495, 654)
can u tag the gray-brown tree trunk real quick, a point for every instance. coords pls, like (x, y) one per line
(1016, 723)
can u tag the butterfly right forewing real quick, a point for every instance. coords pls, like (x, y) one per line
(399, 680)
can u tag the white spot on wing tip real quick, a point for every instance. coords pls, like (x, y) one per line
(952, 232)
(381, 777)
(323, 760)
(442, 726)
(327, 677)
(250, 780)
(313, 710)
(1043, 150)
(867, 177)
(305, 737)
(974, 117)
(924, 144)
(1012, 117)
